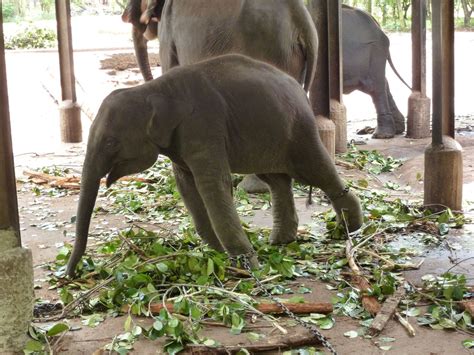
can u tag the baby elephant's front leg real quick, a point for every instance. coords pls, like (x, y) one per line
(214, 186)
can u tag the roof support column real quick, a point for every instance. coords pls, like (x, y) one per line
(419, 105)
(70, 112)
(443, 158)
(16, 265)
(337, 109)
(319, 92)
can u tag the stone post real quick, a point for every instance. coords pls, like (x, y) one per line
(419, 105)
(16, 266)
(443, 158)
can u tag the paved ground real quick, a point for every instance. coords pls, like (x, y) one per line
(33, 87)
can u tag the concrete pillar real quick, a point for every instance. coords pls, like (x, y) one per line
(337, 110)
(70, 114)
(419, 105)
(16, 267)
(319, 93)
(443, 158)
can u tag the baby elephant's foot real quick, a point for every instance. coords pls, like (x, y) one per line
(279, 238)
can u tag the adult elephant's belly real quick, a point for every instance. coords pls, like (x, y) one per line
(356, 64)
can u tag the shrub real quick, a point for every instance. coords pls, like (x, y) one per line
(8, 11)
(32, 37)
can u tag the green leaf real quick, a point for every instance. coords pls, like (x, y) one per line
(351, 334)
(158, 325)
(253, 337)
(57, 329)
(412, 312)
(326, 323)
(128, 323)
(210, 266)
(468, 344)
(385, 347)
(162, 267)
(296, 299)
(34, 346)
(447, 323)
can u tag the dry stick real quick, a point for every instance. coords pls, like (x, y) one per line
(405, 324)
(369, 303)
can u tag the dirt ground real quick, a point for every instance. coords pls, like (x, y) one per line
(46, 221)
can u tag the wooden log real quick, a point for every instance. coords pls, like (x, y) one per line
(387, 311)
(271, 343)
(267, 308)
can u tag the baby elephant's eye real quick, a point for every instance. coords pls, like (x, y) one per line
(112, 144)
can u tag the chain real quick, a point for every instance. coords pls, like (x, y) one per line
(244, 258)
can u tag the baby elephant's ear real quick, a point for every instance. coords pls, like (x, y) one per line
(167, 115)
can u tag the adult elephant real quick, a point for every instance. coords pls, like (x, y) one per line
(365, 55)
(279, 32)
(365, 48)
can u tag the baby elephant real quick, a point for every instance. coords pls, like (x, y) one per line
(229, 114)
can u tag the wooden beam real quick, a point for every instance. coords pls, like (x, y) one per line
(9, 219)
(70, 112)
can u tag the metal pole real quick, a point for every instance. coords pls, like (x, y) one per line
(70, 112)
(8, 197)
(437, 138)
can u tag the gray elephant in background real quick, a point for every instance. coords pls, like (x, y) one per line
(227, 114)
(365, 45)
(365, 55)
(279, 32)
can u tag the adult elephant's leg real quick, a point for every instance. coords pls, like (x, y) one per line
(285, 219)
(213, 181)
(398, 117)
(252, 184)
(385, 124)
(194, 204)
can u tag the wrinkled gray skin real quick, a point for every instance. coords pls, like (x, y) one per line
(366, 52)
(227, 114)
(279, 32)
(186, 37)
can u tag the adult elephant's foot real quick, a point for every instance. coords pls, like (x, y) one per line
(384, 132)
(252, 184)
(385, 127)
(399, 121)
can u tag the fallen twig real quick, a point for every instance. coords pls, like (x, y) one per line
(369, 303)
(405, 324)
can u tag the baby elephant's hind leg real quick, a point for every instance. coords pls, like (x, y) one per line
(285, 219)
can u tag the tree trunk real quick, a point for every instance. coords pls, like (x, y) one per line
(467, 7)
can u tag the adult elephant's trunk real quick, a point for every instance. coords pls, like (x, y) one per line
(89, 189)
(141, 53)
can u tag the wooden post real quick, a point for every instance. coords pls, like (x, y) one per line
(9, 219)
(419, 105)
(319, 93)
(70, 112)
(16, 263)
(443, 158)
(337, 109)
